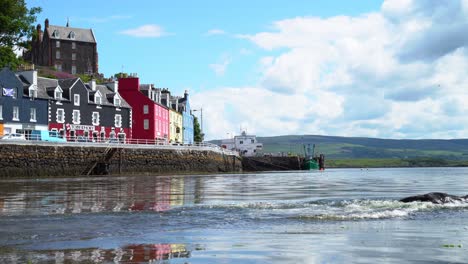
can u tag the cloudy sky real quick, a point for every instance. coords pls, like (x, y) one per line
(388, 69)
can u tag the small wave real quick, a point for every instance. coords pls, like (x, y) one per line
(376, 209)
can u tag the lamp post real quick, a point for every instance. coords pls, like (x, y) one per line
(201, 120)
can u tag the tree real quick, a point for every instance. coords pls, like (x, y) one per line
(16, 28)
(121, 75)
(198, 136)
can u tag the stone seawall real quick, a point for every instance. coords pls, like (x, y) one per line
(38, 160)
(268, 163)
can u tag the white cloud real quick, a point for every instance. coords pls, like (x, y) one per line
(220, 67)
(145, 31)
(212, 32)
(395, 73)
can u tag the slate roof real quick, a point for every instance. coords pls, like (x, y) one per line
(81, 34)
(66, 85)
(107, 96)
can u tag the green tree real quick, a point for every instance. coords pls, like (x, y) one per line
(121, 75)
(16, 28)
(198, 136)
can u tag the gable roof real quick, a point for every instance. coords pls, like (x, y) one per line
(81, 34)
(107, 96)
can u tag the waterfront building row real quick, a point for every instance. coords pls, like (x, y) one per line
(93, 112)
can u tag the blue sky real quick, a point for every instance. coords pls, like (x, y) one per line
(388, 69)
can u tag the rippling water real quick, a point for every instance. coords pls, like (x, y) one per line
(336, 216)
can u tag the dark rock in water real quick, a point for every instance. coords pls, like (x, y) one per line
(436, 198)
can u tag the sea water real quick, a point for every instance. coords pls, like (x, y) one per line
(335, 216)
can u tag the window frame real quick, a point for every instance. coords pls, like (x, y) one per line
(95, 118)
(58, 115)
(15, 113)
(33, 114)
(118, 120)
(58, 94)
(78, 117)
(76, 99)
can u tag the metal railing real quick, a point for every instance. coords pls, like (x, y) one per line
(129, 143)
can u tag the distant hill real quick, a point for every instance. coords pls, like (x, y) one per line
(368, 148)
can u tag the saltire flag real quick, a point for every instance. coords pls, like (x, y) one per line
(9, 92)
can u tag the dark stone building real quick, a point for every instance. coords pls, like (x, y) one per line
(67, 49)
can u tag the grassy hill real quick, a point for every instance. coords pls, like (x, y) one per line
(361, 148)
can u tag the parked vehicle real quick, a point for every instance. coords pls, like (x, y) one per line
(13, 136)
(49, 136)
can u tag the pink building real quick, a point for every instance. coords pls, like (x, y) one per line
(150, 119)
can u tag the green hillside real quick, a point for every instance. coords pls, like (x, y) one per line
(369, 148)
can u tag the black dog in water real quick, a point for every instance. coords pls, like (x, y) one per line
(436, 198)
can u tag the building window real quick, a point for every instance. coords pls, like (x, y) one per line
(57, 44)
(16, 113)
(58, 94)
(118, 121)
(1, 112)
(95, 118)
(33, 115)
(32, 92)
(98, 99)
(76, 117)
(57, 54)
(55, 34)
(252, 141)
(73, 69)
(241, 142)
(117, 101)
(60, 116)
(76, 99)
(73, 45)
(73, 56)
(146, 124)
(102, 135)
(58, 67)
(145, 109)
(72, 35)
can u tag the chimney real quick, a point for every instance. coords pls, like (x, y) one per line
(92, 84)
(185, 94)
(158, 96)
(168, 99)
(39, 33)
(30, 76)
(46, 23)
(114, 86)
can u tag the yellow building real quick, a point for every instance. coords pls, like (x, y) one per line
(175, 126)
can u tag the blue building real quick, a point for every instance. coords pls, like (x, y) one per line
(21, 109)
(187, 119)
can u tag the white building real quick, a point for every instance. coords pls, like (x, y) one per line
(246, 145)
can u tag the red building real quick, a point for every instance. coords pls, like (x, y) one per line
(150, 119)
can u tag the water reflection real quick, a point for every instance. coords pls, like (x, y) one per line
(140, 253)
(157, 194)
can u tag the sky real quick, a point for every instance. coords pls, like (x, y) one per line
(364, 68)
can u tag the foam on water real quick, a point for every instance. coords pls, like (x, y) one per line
(377, 209)
(339, 210)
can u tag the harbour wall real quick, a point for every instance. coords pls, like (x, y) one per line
(61, 160)
(269, 163)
